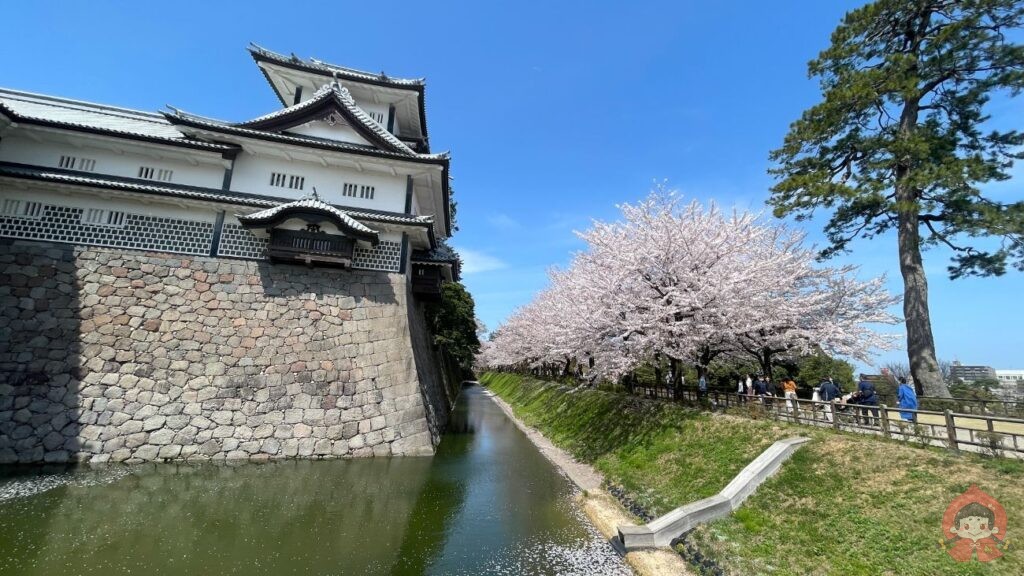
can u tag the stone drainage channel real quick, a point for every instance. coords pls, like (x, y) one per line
(487, 503)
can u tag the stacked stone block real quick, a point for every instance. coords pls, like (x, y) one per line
(110, 355)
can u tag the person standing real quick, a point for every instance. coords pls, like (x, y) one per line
(829, 392)
(760, 388)
(789, 391)
(702, 387)
(771, 390)
(907, 398)
(867, 397)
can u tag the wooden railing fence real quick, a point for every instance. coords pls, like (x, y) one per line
(985, 433)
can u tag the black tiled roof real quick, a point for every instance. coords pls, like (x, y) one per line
(439, 255)
(30, 108)
(313, 65)
(185, 119)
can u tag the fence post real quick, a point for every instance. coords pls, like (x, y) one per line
(885, 421)
(951, 431)
(993, 440)
(796, 410)
(835, 414)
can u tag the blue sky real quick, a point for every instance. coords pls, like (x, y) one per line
(554, 112)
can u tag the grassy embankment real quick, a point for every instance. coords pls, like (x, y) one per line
(844, 504)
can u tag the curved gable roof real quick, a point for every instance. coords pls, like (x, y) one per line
(310, 205)
(332, 98)
(321, 68)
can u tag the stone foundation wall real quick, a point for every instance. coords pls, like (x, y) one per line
(439, 388)
(132, 356)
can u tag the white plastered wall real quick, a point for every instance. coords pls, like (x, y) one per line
(252, 175)
(339, 132)
(21, 149)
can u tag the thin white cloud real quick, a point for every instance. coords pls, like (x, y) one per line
(503, 222)
(474, 261)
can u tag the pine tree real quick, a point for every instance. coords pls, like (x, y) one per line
(453, 323)
(900, 141)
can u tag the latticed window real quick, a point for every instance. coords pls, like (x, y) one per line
(101, 217)
(357, 191)
(99, 227)
(159, 174)
(13, 207)
(77, 163)
(291, 181)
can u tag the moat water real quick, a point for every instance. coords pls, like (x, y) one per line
(487, 503)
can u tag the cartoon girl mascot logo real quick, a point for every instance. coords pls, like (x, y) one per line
(974, 524)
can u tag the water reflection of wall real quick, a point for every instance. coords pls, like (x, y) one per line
(434, 514)
(510, 507)
(276, 518)
(487, 502)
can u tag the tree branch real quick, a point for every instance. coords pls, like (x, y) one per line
(945, 240)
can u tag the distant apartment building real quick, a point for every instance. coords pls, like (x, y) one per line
(1011, 384)
(970, 374)
(1010, 376)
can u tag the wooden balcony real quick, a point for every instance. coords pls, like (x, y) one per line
(426, 282)
(310, 247)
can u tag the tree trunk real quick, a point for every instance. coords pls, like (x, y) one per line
(702, 371)
(703, 361)
(765, 360)
(920, 343)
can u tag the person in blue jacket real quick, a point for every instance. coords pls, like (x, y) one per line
(828, 390)
(760, 387)
(867, 397)
(907, 398)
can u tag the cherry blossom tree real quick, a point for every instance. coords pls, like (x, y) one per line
(690, 283)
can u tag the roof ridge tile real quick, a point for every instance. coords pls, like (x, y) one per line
(328, 67)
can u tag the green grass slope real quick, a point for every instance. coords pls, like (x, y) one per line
(843, 504)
